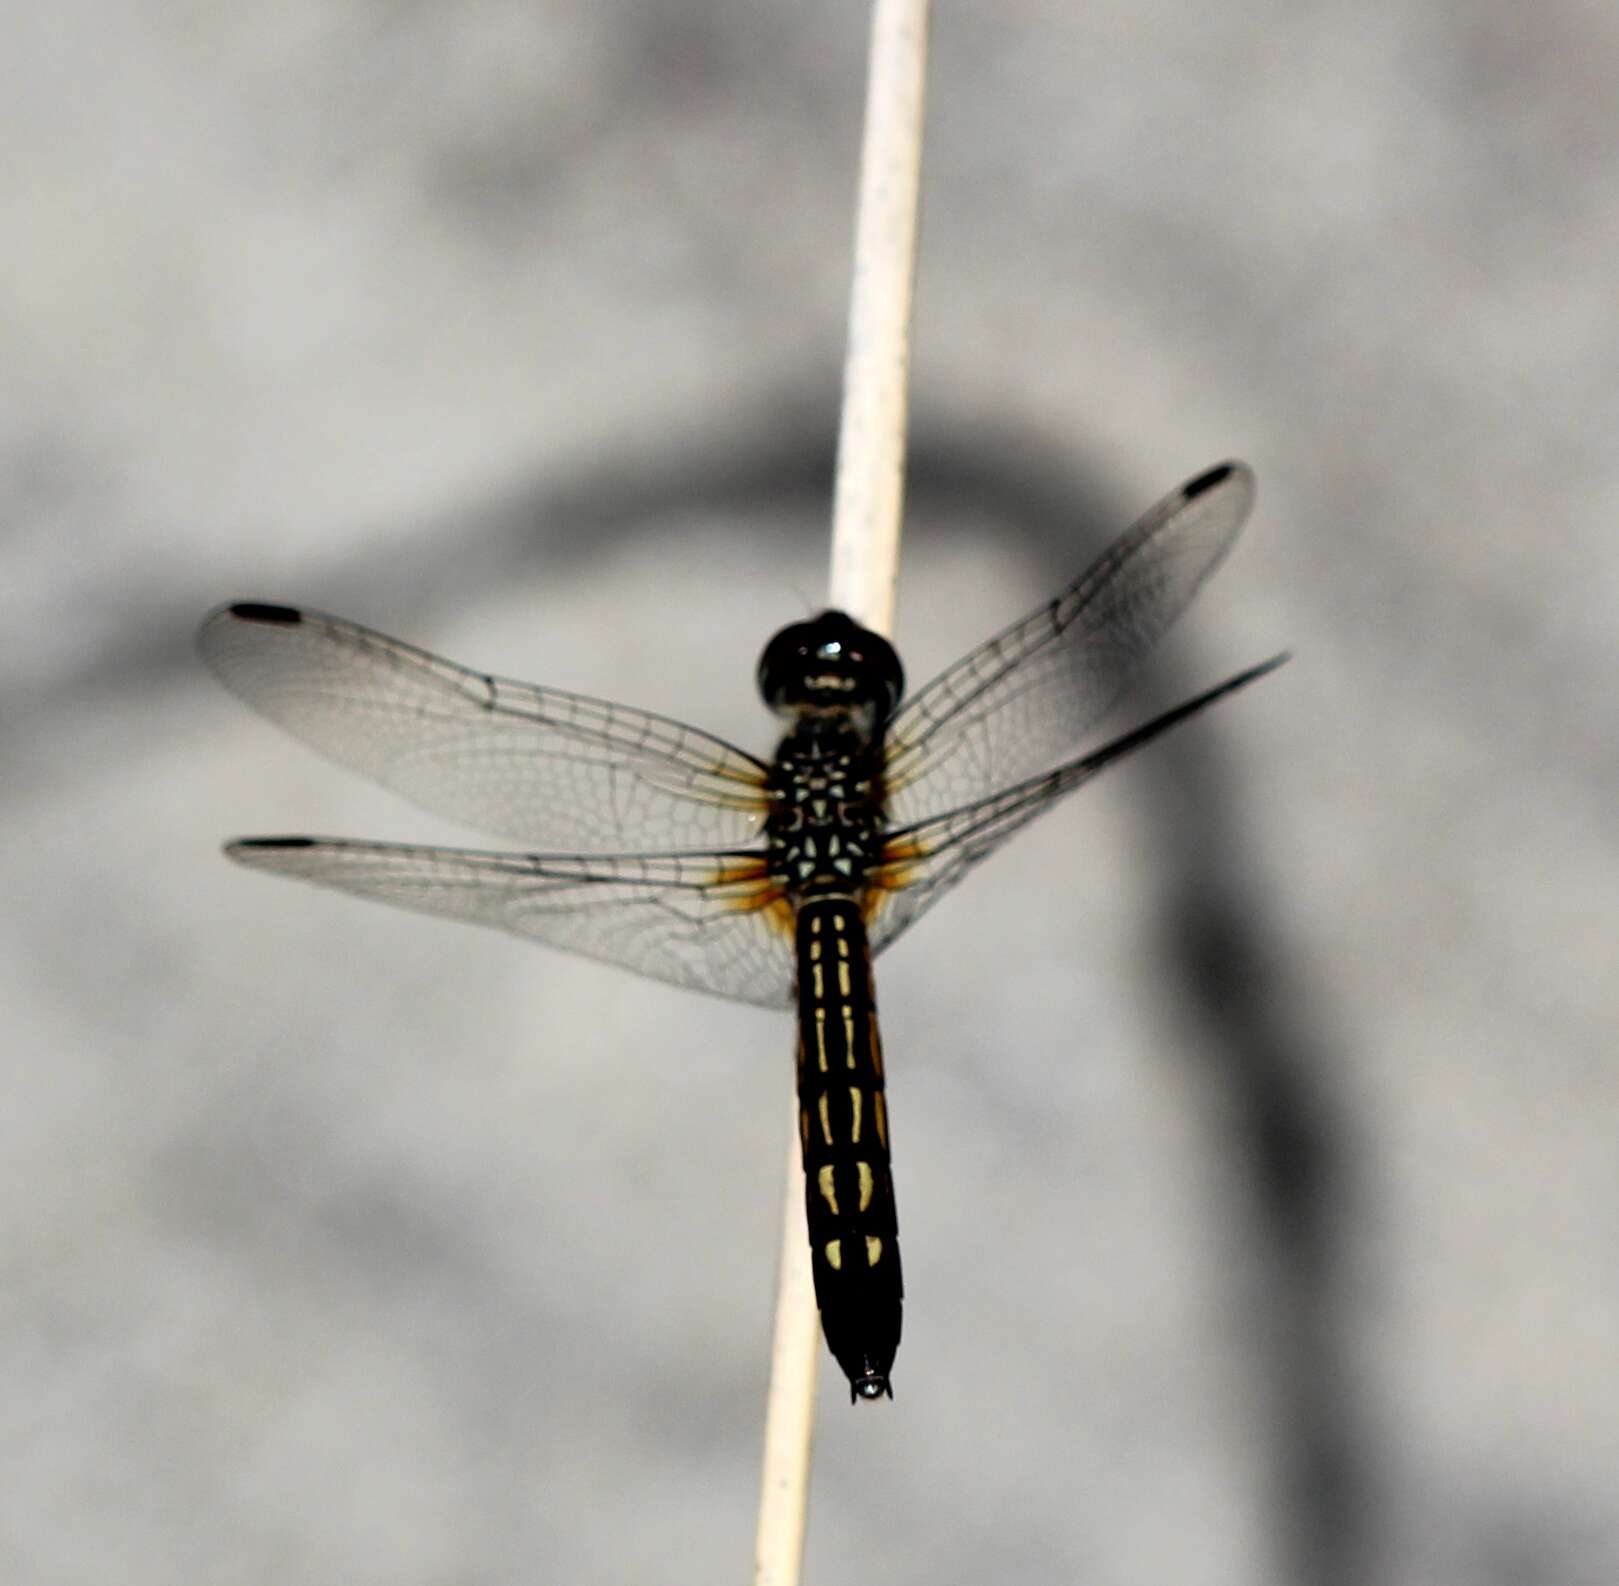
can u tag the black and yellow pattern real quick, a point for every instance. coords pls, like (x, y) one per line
(824, 836)
(843, 1127)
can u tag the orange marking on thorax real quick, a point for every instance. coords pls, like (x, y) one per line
(893, 869)
(745, 885)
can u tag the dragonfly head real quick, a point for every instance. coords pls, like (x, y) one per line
(831, 663)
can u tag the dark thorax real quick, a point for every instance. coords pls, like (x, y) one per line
(823, 830)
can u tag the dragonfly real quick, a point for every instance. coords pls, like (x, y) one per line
(659, 847)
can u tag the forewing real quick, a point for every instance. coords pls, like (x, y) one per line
(710, 922)
(1019, 703)
(536, 765)
(922, 861)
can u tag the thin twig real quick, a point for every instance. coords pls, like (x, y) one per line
(871, 438)
(790, 1409)
(865, 559)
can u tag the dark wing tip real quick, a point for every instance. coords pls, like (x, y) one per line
(1249, 674)
(1206, 481)
(258, 611)
(259, 844)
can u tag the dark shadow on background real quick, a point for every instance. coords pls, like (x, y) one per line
(1220, 946)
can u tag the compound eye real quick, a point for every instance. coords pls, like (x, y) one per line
(893, 680)
(880, 667)
(784, 663)
(833, 657)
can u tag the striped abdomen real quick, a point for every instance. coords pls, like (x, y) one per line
(843, 1124)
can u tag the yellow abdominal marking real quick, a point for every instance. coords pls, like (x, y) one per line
(816, 980)
(848, 1034)
(826, 1118)
(843, 976)
(855, 1101)
(815, 952)
(820, 1037)
(874, 1248)
(828, 1193)
(834, 1254)
(880, 1112)
(864, 1169)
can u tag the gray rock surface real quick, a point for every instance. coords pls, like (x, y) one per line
(1254, 1116)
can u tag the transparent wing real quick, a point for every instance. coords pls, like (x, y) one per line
(922, 861)
(1018, 703)
(535, 765)
(711, 922)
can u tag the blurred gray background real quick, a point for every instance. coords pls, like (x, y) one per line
(1254, 1115)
